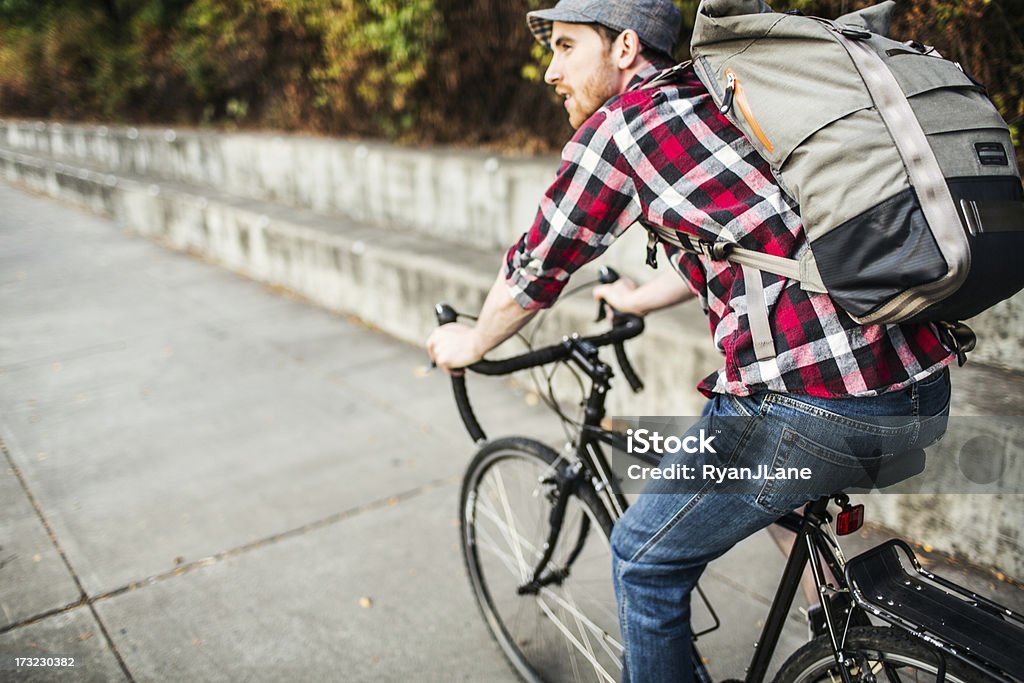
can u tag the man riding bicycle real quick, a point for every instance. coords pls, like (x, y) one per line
(665, 156)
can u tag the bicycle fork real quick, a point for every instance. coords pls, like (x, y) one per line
(565, 481)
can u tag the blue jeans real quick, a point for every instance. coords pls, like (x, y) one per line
(662, 544)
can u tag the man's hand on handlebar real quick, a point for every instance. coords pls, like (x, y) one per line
(619, 295)
(454, 346)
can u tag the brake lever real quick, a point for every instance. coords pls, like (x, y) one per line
(605, 275)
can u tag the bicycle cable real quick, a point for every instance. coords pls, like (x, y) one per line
(570, 425)
(548, 399)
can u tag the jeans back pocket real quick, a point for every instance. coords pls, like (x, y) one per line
(818, 453)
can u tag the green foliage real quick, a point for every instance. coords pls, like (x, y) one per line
(463, 71)
(19, 12)
(373, 54)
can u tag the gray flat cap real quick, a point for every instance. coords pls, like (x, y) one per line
(656, 22)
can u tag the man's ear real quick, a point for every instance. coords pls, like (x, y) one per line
(627, 49)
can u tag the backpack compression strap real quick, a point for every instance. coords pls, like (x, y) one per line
(752, 262)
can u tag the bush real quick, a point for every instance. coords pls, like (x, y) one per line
(415, 71)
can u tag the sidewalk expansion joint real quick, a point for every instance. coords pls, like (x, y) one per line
(84, 598)
(189, 567)
(28, 621)
(330, 520)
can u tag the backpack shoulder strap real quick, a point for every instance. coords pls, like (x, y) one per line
(668, 76)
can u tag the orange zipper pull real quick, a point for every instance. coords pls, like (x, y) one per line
(735, 92)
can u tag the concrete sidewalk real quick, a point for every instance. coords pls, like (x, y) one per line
(203, 479)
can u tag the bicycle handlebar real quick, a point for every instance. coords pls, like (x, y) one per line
(624, 327)
(466, 410)
(635, 383)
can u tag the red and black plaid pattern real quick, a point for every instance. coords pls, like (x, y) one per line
(666, 156)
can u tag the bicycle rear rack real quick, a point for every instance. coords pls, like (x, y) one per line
(978, 631)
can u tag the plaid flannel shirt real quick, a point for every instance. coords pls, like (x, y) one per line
(665, 156)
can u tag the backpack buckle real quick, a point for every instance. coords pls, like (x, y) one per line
(652, 250)
(720, 251)
(716, 251)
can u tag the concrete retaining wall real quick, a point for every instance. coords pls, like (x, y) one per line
(470, 197)
(385, 232)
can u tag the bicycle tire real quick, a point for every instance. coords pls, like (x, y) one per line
(891, 654)
(566, 632)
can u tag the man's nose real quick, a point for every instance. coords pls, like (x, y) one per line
(553, 74)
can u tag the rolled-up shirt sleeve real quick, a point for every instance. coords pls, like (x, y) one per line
(591, 202)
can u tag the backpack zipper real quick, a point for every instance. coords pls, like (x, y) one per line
(734, 93)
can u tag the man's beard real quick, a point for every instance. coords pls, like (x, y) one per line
(598, 89)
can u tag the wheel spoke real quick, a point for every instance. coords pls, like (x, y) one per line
(492, 546)
(606, 639)
(568, 629)
(586, 639)
(603, 636)
(567, 604)
(510, 521)
(571, 638)
(510, 533)
(876, 653)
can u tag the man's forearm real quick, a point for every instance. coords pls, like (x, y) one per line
(626, 296)
(500, 317)
(665, 290)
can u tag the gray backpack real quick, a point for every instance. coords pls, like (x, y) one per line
(903, 169)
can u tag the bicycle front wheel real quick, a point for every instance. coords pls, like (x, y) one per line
(885, 655)
(567, 630)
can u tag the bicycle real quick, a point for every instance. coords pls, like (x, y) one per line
(535, 524)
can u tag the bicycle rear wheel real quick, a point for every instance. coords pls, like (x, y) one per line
(568, 631)
(885, 655)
